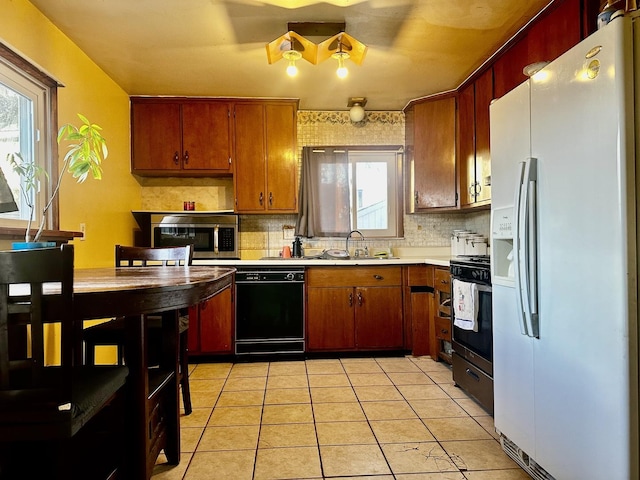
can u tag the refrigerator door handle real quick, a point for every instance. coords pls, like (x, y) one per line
(528, 247)
(517, 238)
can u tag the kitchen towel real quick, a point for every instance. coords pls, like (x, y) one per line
(465, 304)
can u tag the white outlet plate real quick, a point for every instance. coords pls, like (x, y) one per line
(83, 230)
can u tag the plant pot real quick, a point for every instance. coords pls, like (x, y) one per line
(32, 245)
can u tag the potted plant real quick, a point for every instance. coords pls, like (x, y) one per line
(86, 151)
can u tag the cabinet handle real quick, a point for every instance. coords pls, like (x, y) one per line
(415, 196)
(478, 188)
(359, 299)
(261, 198)
(186, 156)
(378, 277)
(270, 199)
(176, 158)
(351, 299)
(444, 281)
(444, 331)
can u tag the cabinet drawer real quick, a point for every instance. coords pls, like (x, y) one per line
(419, 275)
(350, 276)
(442, 280)
(443, 329)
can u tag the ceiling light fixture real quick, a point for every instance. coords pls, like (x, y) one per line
(356, 108)
(292, 56)
(341, 56)
(293, 45)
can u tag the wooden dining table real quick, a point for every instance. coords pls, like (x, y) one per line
(133, 293)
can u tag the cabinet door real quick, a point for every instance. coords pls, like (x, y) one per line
(378, 317)
(330, 322)
(483, 97)
(155, 136)
(434, 153)
(420, 304)
(555, 33)
(466, 144)
(193, 334)
(206, 141)
(216, 324)
(282, 162)
(250, 168)
(507, 70)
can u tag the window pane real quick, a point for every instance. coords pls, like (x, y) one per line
(16, 136)
(371, 196)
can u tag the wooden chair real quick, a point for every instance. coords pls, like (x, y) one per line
(62, 421)
(112, 332)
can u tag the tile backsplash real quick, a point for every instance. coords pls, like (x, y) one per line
(263, 234)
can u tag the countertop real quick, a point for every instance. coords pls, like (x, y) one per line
(403, 256)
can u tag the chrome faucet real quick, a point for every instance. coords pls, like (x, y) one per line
(357, 252)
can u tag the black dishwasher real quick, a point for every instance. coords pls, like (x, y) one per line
(269, 310)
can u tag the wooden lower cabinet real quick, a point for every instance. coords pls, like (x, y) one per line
(354, 308)
(418, 308)
(211, 325)
(330, 320)
(440, 335)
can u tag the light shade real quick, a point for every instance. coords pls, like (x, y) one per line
(7, 202)
(356, 113)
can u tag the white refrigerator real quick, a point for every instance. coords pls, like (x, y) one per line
(564, 262)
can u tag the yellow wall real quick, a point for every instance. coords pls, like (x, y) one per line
(104, 206)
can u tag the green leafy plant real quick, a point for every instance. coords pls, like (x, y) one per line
(87, 149)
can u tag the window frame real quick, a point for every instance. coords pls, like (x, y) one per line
(392, 188)
(48, 148)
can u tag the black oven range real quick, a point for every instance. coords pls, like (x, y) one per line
(472, 339)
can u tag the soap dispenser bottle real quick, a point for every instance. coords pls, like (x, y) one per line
(297, 248)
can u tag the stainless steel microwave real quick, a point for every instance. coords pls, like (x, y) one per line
(213, 236)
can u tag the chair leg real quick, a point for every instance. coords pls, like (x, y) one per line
(184, 373)
(89, 353)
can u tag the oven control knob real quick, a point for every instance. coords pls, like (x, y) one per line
(290, 276)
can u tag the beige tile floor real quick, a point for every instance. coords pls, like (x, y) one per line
(375, 418)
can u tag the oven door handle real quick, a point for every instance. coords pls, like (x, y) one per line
(216, 250)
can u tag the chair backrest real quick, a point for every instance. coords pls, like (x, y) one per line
(147, 256)
(24, 275)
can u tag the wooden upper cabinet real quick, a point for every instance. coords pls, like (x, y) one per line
(206, 136)
(180, 137)
(555, 33)
(266, 170)
(156, 137)
(282, 161)
(432, 172)
(474, 156)
(507, 70)
(250, 167)
(466, 143)
(547, 39)
(484, 96)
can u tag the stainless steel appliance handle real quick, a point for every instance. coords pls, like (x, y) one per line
(216, 250)
(527, 235)
(517, 206)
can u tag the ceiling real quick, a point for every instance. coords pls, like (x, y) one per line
(217, 47)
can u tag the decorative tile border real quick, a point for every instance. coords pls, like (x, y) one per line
(308, 117)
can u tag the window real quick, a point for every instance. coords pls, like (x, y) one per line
(351, 188)
(26, 103)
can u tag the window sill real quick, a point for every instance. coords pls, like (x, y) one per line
(58, 236)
